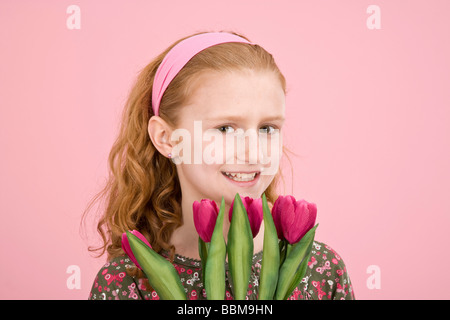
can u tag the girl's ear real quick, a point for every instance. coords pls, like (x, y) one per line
(160, 132)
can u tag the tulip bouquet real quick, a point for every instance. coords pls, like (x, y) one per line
(288, 236)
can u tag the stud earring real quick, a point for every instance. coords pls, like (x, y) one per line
(174, 159)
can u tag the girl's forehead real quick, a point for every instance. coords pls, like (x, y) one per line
(241, 117)
(227, 94)
(214, 112)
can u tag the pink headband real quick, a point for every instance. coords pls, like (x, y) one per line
(179, 55)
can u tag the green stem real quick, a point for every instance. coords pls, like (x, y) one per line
(203, 253)
(282, 244)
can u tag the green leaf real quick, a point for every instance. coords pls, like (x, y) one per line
(215, 264)
(161, 274)
(291, 264)
(271, 256)
(301, 271)
(240, 249)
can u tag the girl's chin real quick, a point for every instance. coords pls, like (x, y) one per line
(230, 194)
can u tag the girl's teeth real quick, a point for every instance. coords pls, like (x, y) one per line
(241, 176)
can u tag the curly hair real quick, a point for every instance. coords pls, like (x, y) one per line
(143, 191)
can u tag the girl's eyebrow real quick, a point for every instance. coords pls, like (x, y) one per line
(234, 118)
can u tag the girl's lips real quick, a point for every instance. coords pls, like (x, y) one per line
(244, 184)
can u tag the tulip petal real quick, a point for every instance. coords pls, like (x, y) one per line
(255, 215)
(276, 215)
(141, 236)
(287, 216)
(205, 215)
(127, 249)
(299, 222)
(253, 207)
(305, 217)
(126, 245)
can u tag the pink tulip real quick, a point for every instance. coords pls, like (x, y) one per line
(293, 219)
(126, 245)
(254, 212)
(205, 216)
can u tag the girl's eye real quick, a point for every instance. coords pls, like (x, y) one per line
(226, 129)
(267, 129)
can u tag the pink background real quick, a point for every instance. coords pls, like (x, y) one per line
(368, 116)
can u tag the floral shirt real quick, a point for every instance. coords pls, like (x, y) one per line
(326, 278)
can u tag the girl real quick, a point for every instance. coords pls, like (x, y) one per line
(211, 82)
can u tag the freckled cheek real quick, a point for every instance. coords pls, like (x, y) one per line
(272, 151)
(220, 150)
(229, 149)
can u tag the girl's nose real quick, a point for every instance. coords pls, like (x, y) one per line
(247, 147)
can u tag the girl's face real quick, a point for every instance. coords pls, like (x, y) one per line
(229, 119)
